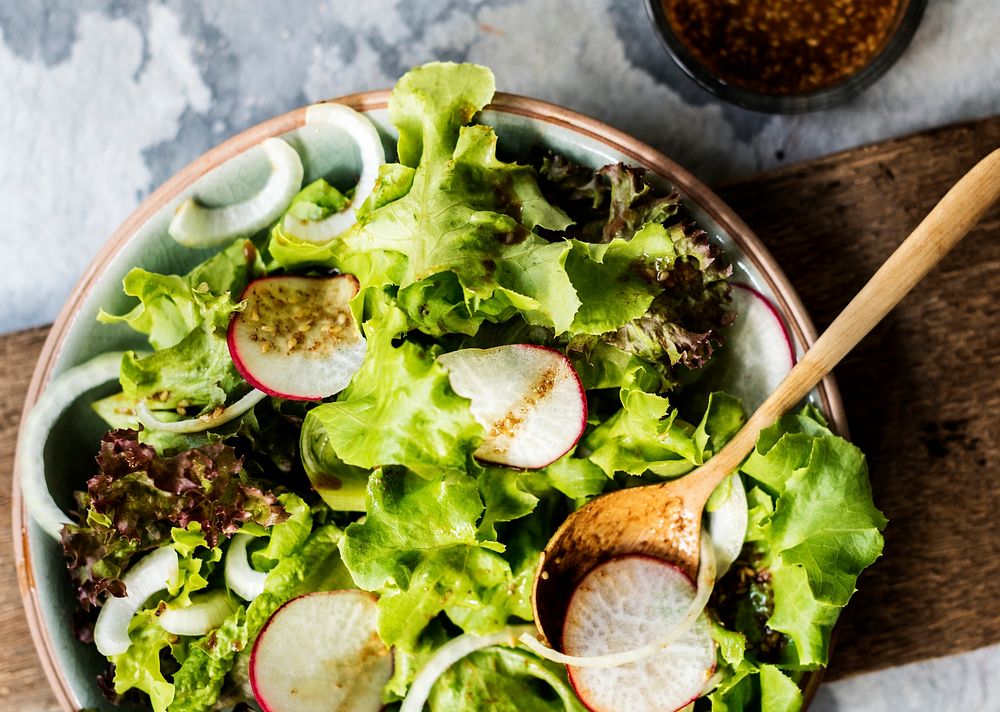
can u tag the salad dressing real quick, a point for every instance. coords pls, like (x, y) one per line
(783, 47)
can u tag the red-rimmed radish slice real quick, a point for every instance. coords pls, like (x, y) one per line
(203, 422)
(241, 578)
(195, 225)
(205, 613)
(296, 337)
(321, 653)
(61, 393)
(728, 524)
(634, 600)
(528, 398)
(758, 352)
(449, 654)
(365, 136)
(640, 652)
(153, 573)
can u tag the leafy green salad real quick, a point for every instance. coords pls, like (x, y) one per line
(329, 409)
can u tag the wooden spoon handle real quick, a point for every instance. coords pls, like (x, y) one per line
(950, 220)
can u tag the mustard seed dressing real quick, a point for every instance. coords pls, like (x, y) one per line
(783, 47)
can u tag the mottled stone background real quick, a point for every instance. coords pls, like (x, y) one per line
(101, 101)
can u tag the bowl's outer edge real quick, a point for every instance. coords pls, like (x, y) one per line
(789, 302)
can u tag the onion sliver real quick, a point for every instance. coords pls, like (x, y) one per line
(196, 425)
(154, 572)
(449, 654)
(59, 395)
(728, 525)
(194, 225)
(705, 584)
(206, 613)
(241, 578)
(365, 135)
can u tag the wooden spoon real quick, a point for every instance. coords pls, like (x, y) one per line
(664, 520)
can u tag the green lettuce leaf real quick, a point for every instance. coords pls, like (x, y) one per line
(824, 530)
(813, 529)
(616, 281)
(139, 667)
(421, 548)
(648, 436)
(453, 208)
(171, 306)
(185, 319)
(400, 409)
(504, 680)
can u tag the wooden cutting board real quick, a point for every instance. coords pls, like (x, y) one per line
(922, 395)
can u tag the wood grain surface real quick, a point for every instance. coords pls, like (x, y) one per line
(922, 392)
(922, 395)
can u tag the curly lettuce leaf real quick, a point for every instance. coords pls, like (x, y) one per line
(681, 267)
(612, 202)
(138, 497)
(139, 667)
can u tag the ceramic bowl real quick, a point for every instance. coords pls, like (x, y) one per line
(228, 173)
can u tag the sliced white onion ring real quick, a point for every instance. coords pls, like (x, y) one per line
(194, 225)
(58, 395)
(196, 425)
(365, 135)
(728, 525)
(705, 583)
(244, 581)
(449, 654)
(206, 613)
(155, 572)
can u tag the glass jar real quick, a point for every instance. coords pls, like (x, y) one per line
(785, 56)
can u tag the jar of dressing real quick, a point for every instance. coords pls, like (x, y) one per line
(785, 55)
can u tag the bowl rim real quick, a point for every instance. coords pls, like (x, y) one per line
(799, 322)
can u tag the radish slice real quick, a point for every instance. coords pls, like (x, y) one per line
(637, 597)
(59, 394)
(203, 422)
(155, 572)
(758, 352)
(449, 654)
(194, 225)
(296, 337)
(244, 581)
(668, 634)
(528, 398)
(321, 652)
(728, 524)
(203, 615)
(365, 135)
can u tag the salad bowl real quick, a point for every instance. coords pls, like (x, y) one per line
(229, 173)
